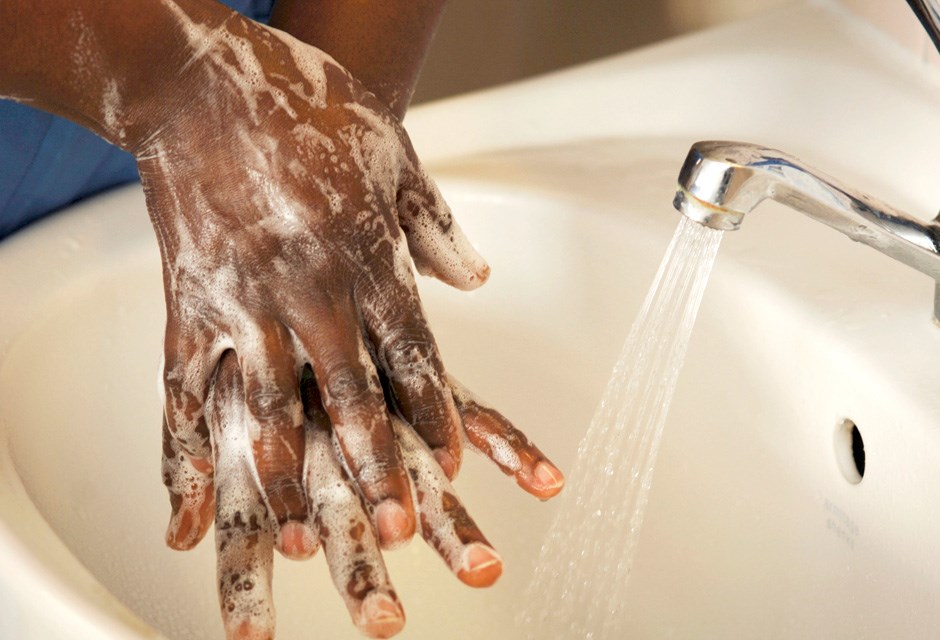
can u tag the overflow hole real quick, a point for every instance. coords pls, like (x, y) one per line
(850, 451)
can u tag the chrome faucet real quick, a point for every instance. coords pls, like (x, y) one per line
(721, 182)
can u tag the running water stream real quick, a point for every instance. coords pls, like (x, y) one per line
(581, 579)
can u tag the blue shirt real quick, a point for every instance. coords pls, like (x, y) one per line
(47, 162)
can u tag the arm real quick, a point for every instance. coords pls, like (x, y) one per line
(82, 59)
(383, 43)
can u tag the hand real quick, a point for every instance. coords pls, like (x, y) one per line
(288, 203)
(335, 518)
(246, 530)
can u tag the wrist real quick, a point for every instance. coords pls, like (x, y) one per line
(382, 43)
(118, 71)
(158, 104)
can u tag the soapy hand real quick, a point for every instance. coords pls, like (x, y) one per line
(295, 250)
(288, 205)
(335, 518)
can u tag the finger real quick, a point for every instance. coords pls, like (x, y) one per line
(445, 523)
(272, 397)
(438, 246)
(352, 396)
(349, 543)
(409, 357)
(187, 366)
(496, 438)
(244, 533)
(297, 539)
(192, 501)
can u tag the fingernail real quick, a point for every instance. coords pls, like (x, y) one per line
(380, 616)
(446, 462)
(393, 523)
(296, 541)
(178, 532)
(248, 630)
(483, 271)
(479, 273)
(480, 565)
(548, 477)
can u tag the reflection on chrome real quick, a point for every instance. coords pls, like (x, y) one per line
(721, 182)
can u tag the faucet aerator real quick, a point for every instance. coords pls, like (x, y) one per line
(706, 214)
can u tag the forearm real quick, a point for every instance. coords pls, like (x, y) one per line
(383, 43)
(105, 65)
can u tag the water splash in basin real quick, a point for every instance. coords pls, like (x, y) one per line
(580, 581)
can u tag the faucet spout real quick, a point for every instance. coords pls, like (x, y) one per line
(721, 182)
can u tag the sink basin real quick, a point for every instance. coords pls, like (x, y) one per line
(760, 522)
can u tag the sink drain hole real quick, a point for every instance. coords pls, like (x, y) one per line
(850, 451)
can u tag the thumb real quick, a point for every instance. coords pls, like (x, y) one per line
(438, 246)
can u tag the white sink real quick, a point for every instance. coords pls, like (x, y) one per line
(753, 529)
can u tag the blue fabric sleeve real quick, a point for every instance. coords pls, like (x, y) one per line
(47, 162)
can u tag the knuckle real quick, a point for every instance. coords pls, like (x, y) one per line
(406, 347)
(269, 404)
(286, 496)
(430, 413)
(346, 387)
(377, 469)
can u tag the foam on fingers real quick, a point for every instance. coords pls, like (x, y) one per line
(436, 242)
(406, 351)
(244, 544)
(490, 433)
(273, 401)
(349, 541)
(347, 388)
(445, 523)
(244, 531)
(189, 484)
